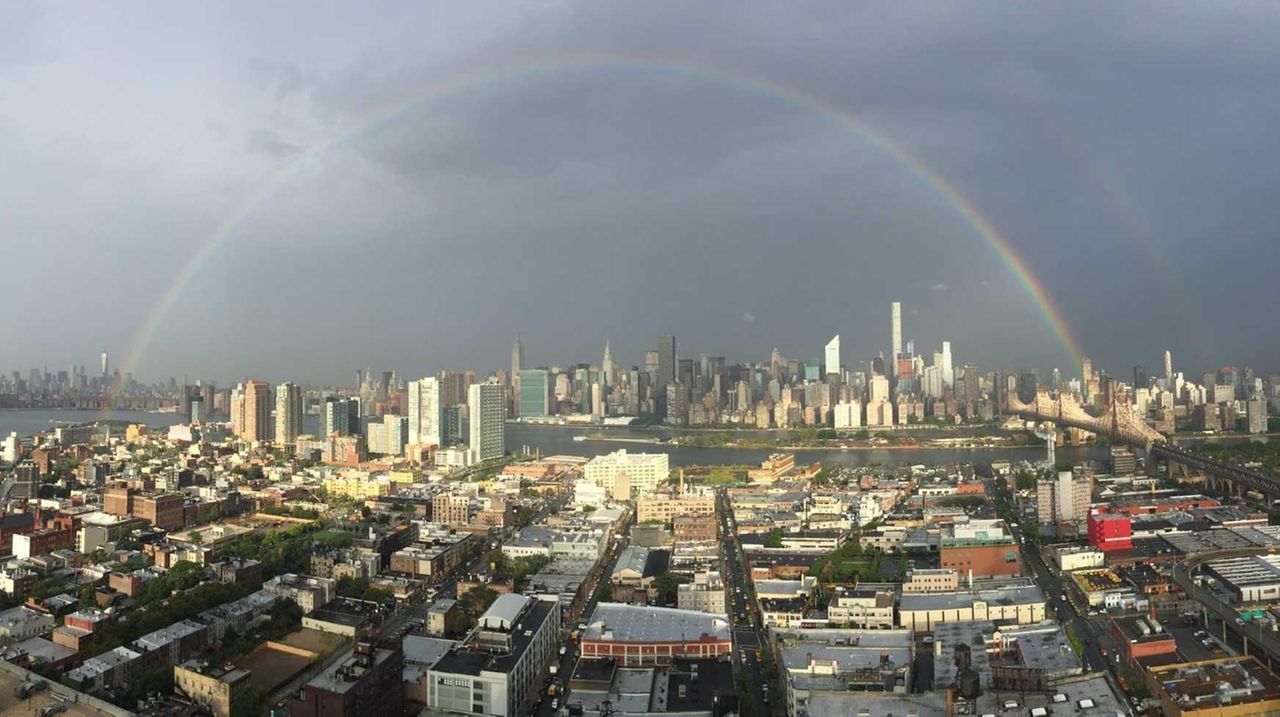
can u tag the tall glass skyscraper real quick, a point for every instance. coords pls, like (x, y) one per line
(535, 392)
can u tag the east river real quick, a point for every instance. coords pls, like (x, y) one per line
(551, 440)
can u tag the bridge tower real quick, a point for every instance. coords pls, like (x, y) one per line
(1049, 433)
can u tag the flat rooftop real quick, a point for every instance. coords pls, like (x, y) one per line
(332, 679)
(471, 660)
(873, 704)
(631, 623)
(13, 706)
(1011, 595)
(1217, 683)
(1141, 629)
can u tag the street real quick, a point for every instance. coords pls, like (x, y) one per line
(567, 662)
(743, 616)
(1072, 617)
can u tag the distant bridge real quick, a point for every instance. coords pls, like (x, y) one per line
(1121, 424)
(1119, 421)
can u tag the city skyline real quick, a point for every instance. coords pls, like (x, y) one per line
(850, 359)
(735, 184)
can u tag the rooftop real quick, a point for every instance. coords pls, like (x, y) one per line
(346, 611)
(472, 658)
(1140, 628)
(1215, 684)
(347, 670)
(1008, 595)
(618, 622)
(225, 673)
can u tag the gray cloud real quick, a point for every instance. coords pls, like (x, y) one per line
(1120, 149)
(270, 144)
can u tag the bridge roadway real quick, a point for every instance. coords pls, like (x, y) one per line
(1265, 642)
(1093, 425)
(1243, 478)
(1239, 475)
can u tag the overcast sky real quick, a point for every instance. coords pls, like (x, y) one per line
(577, 170)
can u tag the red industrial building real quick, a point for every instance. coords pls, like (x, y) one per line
(1110, 531)
(643, 636)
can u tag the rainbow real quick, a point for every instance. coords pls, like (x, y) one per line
(243, 209)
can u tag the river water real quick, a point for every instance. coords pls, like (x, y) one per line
(551, 440)
(30, 421)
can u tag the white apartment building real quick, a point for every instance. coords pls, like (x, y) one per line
(627, 475)
(866, 609)
(848, 415)
(705, 594)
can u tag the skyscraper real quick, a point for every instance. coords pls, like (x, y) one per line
(486, 405)
(288, 413)
(948, 372)
(895, 316)
(1168, 370)
(535, 392)
(517, 363)
(105, 365)
(666, 362)
(425, 412)
(236, 409)
(610, 371)
(972, 382)
(517, 357)
(257, 411)
(341, 416)
(832, 358)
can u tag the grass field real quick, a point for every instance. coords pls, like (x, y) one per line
(720, 475)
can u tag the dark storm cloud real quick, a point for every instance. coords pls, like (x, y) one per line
(1122, 148)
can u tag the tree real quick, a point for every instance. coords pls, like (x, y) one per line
(247, 703)
(773, 539)
(184, 574)
(668, 587)
(477, 600)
